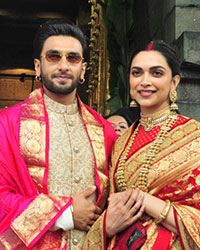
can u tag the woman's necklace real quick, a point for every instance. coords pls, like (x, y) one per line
(149, 157)
(149, 121)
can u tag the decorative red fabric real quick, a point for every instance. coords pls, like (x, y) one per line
(163, 240)
(132, 238)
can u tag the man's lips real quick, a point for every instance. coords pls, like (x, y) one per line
(62, 76)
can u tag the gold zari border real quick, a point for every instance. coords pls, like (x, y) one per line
(33, 137)
(34, 219)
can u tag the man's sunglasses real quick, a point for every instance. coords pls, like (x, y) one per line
(55, 57)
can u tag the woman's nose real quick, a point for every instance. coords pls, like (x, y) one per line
(117, 128)
(146, 81)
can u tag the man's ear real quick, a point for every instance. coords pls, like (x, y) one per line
(176, 80)
(37, 67)
(83, 70)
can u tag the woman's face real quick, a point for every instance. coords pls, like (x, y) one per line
(119, 124)
(151, 80)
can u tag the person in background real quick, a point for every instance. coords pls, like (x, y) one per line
(54, 151)
(122, 119)
(155, 166)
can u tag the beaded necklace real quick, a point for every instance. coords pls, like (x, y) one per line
(149, 157)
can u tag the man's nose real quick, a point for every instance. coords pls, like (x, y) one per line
(63, 64)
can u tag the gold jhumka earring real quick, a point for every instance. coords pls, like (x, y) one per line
(133, 104)
(173, 99)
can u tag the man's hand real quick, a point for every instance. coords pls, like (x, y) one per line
(124, 209)
(84, 212)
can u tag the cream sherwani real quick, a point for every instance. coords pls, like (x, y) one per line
(71, 158)
(48, 152)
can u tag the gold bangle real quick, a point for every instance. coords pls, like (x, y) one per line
(162, 216)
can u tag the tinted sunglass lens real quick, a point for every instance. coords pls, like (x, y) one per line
(74, 58)
(56, 57)
(53, 57)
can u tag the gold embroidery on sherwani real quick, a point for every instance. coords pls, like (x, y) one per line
(71, 158)
(34, 218)
(33, 137)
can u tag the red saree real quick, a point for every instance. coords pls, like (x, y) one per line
(174, 175)
(26, 210)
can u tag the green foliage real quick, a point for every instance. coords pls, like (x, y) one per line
(118, 19)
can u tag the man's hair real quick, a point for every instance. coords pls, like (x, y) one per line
(56, 27)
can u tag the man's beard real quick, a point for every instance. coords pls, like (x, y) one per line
(62, 88)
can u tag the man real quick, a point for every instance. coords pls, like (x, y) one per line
(54, 151)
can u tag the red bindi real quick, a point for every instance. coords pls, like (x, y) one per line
(150, 46)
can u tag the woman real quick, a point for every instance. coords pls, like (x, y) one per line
(122, 119)
(155, 165)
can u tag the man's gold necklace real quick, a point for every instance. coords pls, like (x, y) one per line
(169, 119)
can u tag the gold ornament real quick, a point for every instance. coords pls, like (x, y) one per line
(162, 216)
(38, 78)
(133, 104)
(82, 81)
(149, 121)
(142, 181)
(173, 99)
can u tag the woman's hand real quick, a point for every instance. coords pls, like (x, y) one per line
(124, 209)
(153, 206)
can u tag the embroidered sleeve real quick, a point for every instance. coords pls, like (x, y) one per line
(36, 219)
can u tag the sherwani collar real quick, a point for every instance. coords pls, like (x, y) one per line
(59, 107)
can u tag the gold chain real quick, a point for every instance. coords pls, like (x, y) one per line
(149, 121)
(122, 163)
(149, 157)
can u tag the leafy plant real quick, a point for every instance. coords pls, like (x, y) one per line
(118, 19)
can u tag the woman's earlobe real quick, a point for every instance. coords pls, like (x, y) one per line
(176, 80)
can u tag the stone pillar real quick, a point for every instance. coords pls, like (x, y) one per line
(181, 20)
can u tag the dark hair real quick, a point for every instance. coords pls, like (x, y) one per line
(167, 51)
(129, 114)
(56, 27)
